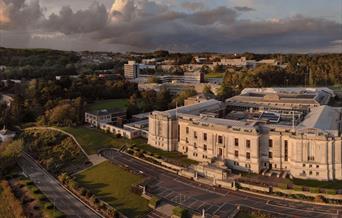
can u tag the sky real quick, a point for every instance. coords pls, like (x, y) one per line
(229, 26)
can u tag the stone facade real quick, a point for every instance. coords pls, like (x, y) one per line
(309, 147)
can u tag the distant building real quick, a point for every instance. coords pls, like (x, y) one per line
(175, 88)
(3, 67)
(7, 99)
(131, 70)
(237, 62)
(243, 62)
(198, 99)
(288, 131)
(105, 116)
(6, 135)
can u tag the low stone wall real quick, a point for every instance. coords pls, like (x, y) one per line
(164, 163)
(225, 184)
(187, 174)
(294, 192)
(254, 187)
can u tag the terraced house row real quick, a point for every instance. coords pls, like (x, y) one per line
(283, 129)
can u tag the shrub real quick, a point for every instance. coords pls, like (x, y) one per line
(314, 190)
(282, 185)
(73, 184)
(83, 191)
(330, 191)
(298, 188)
(154, 202)
(180, 212)
(93, 199)
(48, 206)
(319, 198)
(63, 178)
(118, 135)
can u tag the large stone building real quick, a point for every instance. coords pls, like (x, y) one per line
(291, 130)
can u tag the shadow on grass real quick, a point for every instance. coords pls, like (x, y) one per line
(97, 189)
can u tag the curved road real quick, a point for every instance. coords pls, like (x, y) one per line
(62, 199)
(215, 201)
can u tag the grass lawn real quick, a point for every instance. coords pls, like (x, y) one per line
(108, 104)
(176, 156)
(94, 139)
(113, 184)
(214, 75)
(337, 184)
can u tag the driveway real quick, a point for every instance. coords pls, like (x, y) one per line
(51, 187)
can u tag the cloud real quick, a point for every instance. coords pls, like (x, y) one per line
(4, 19)
(193, 6)
(244, 8)
(20, 14)
(149, 25)
(83, 21)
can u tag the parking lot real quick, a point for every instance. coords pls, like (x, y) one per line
(215, 201)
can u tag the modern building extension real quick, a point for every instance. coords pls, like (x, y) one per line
(291, 130)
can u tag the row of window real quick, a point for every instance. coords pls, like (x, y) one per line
(248, 155)
(310, 173)
(310, 166)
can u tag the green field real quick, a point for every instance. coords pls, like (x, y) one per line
(108, 104)
(113, 184)
(94, 139)
(214, 75)
(173, 156)
(337, 184)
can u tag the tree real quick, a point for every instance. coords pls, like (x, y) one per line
(207, 90)
(153, 79)
(9, 152)
(163, 99)
(179, 99)
(225, 92)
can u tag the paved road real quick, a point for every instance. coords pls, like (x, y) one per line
(63, 200)
(215, 201)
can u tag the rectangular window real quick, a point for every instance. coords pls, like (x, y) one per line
(195, 134)
(248, 155)
(205, 147)
(236, 142)
(248, 143)
(270, 143)
(236, 153)
(286, 150)
(220, 139)
(187, 130)
(195, 145)
(205, 136)
(270, 154)
(186, 140)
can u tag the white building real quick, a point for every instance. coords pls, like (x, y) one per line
(299, 138)
(6, 135)
(131, 70)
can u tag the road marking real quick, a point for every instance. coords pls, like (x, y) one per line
(202, 203)
(218, 209)
(172, 192)
(292, 208)
(193, 202)
(200, 188)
